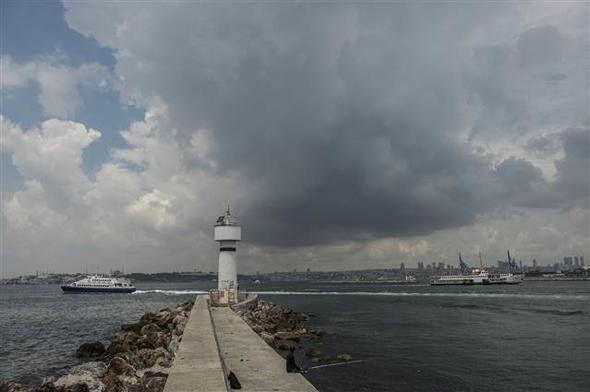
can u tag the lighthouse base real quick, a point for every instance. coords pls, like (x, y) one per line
(223, 297)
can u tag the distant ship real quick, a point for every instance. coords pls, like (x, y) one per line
(99, 284)
(477, 276)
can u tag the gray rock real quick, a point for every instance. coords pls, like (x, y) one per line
(92, 369)
(154, 371)
(158, 356)
(119, 366)
(148, 384)
(12, 387)
(174, 344)
(72, 382)
(90, 349)
(150, 328)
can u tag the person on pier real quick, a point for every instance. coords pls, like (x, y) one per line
(292, 366)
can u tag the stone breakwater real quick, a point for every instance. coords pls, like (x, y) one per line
(284, 328)
(137, 359)
(279, 327)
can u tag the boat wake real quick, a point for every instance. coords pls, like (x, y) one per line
(170, 292)
(557, 312)
(415, 294)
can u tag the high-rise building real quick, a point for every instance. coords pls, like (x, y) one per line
(582, 261)
(420, 265)
(576, 261)
(402, 270)
(441, 266)
(534, 263)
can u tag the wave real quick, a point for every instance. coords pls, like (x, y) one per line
(468, 306)
(170, 292)
(415, 294)
(387, 294)
(556, 312)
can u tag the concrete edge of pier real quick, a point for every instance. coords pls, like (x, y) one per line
(217, 341)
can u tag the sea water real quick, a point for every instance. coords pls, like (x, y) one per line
(530, 337)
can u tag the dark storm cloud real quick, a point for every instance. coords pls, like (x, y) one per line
(543, 145)
(522, 184)
(573, 171)
(344, 118)
(531, 84)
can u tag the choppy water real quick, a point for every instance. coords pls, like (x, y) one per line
(530, 337)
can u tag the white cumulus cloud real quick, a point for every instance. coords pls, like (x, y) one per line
(59, 84)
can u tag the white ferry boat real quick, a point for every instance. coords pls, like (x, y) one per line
(99, 284)
(476, 276)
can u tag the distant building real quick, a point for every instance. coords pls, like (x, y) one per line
(534, 263)
(567, 262)
(420, 265)
(402, 270)
(502, 265)
(576, 261)
(582, 261)
(441, 266)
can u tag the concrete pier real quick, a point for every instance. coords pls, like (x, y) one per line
(216, 341)
(257, 366)
(197, 366)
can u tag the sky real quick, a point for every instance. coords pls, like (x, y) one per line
(344, 135)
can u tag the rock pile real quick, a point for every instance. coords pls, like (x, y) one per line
(280, 327)
(137, 359)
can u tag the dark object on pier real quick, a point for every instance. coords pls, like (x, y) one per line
(291, 363)
(234, 383)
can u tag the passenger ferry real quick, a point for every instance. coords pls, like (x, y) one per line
(99, 284)
(476, 276)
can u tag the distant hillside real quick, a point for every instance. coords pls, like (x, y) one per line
(171, 277)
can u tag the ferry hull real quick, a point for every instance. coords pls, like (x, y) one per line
(83, 290)
(463, 282)
(466, 282)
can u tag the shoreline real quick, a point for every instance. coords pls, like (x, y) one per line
(384, 281)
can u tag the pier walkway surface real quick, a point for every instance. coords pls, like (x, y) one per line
(257, 366)
(197, 366)
(215, 341)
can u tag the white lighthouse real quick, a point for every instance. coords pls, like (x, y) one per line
(227, 233)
